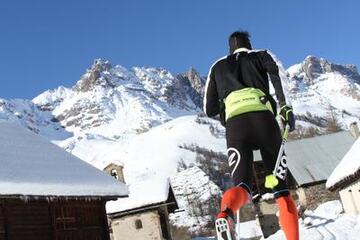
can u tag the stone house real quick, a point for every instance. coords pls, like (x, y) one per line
(145, 214)
(346, 178)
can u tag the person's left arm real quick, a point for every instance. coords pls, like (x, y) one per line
(211, 97)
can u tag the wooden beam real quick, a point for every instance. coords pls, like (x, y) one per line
(138, 210)
(52, 220)
(106, 231)
(6, 221)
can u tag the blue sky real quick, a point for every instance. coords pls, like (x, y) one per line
(44, 44)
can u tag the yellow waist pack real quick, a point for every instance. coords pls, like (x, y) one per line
(246, 100)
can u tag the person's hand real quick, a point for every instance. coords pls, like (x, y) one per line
(287, 117)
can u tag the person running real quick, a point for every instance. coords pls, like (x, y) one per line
(237, 88)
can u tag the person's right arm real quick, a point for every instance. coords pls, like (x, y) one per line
(273, 70)
(286, 111)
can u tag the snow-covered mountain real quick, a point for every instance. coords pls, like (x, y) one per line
(108, 105)
(28, 114)
(111, 100)
(320, 90)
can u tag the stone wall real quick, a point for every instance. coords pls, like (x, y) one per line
(350, 198)
(266, 213)
(180, 233)
(247, 212)
(312, 196)
(124, 228)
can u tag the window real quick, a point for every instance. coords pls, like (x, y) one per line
(77, 220)
(65, 217)
(138, 224)
(114, 174)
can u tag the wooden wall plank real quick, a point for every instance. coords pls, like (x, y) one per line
(58, 220)
(29, 220)
(2, 221)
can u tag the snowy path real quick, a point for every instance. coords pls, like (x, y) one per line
(327, 223)
(327, 235)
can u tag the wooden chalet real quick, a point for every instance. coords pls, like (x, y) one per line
(47, 193)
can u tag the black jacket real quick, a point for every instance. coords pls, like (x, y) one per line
(245, 68)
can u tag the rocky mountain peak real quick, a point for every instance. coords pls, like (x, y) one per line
(313, 67)
(193, 84)
(101, 65)
(108, 94)
(196, 81)
(97, 75)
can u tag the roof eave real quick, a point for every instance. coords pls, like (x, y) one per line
(61, 197)
(140, 209)
(343, 183)
(171, 200)
(309, 184)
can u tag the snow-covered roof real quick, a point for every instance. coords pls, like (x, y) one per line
(348, 170)
(313, 159)
(145, 192)
(193, 185)
(33, 166)
(193, 181)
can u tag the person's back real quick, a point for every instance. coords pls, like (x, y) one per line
(242, 69)
(237, 88)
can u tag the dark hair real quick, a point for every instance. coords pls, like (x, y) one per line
(239, 39)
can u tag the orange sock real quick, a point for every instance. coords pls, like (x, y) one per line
(233, 199)
(288, 217)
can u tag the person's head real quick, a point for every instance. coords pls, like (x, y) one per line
(239, 39)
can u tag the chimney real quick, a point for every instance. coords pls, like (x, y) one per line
(116, 171)
(354, 130)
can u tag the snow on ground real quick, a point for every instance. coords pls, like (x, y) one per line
(248, 230)
(31, 165)
(151, 158)
(267, 196)
(348, 166)
(326, 223)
